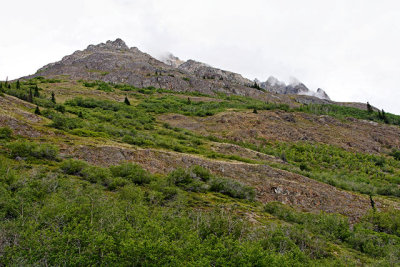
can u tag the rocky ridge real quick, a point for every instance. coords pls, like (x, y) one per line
(273, 85)
(115, 62)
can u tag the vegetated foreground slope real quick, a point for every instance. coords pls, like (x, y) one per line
(221, 179)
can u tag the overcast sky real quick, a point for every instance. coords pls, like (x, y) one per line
(350, 48)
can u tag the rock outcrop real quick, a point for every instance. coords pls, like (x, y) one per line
(273, 85)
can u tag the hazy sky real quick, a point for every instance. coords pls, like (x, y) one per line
(350, 48)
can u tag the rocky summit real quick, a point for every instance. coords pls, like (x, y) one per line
(115, 62)
(113, 157)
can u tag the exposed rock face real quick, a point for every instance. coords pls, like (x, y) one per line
(202, 70)
(272, 84)
(171, 60)
(115, 62)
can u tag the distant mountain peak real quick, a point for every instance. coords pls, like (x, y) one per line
(118, 44)
(295, 86)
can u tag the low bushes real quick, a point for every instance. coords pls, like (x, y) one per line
(5, 133)
(374, 236)
(25, 149)
(198, 179)
(112, 177)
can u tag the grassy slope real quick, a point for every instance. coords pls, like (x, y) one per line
(79, 218)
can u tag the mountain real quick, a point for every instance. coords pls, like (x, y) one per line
(115, 62)
(112, 157)
(274, 85)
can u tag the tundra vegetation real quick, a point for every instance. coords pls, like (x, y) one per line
(56, 210)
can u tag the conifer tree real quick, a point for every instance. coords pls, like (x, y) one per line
(53, 97)
(369, 108)
(384, 117)
(126, 101)
(18, 85)
(30, 96)
(255, 111)
(37, 111)
(189, 101)
(80, 115)
(36, 92)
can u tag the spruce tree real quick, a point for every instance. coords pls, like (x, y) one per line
(30, 97)
(126, 101)
(80, 115)
(53, 97)
(255, 111)
(36, 93)
(369, 108)
(18, 85)
(1, 85)
(189, 101)
(37, 111)
(384, 117)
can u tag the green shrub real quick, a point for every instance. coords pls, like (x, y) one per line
(60, 108)
(63, 122)
(73, 166)
(27, 149)
(131, 172)
(232, 188)
(117, 182)
(395, 154)
(96, 174)
(5, 133)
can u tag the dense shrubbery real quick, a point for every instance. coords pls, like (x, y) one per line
(69, 221)
(198, 179)
(365, 173)
(67, 215)
(25, 149)
(375, 242)
(343, 112)
(102, 86)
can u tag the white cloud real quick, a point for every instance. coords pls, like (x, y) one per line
(347, 47)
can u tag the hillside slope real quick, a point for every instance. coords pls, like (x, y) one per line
(111, 157)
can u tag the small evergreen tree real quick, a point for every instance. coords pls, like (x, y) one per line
(189, 101)
(369, 108)
(53, 97)
(384, 117)
(372, 202)
(9, 86)
(255, 111)
(37, 111)
(126, 101)
(1, 85)
(256, 86)
(30, 96)
(18, 85)
(80, 115)
(36, 92)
